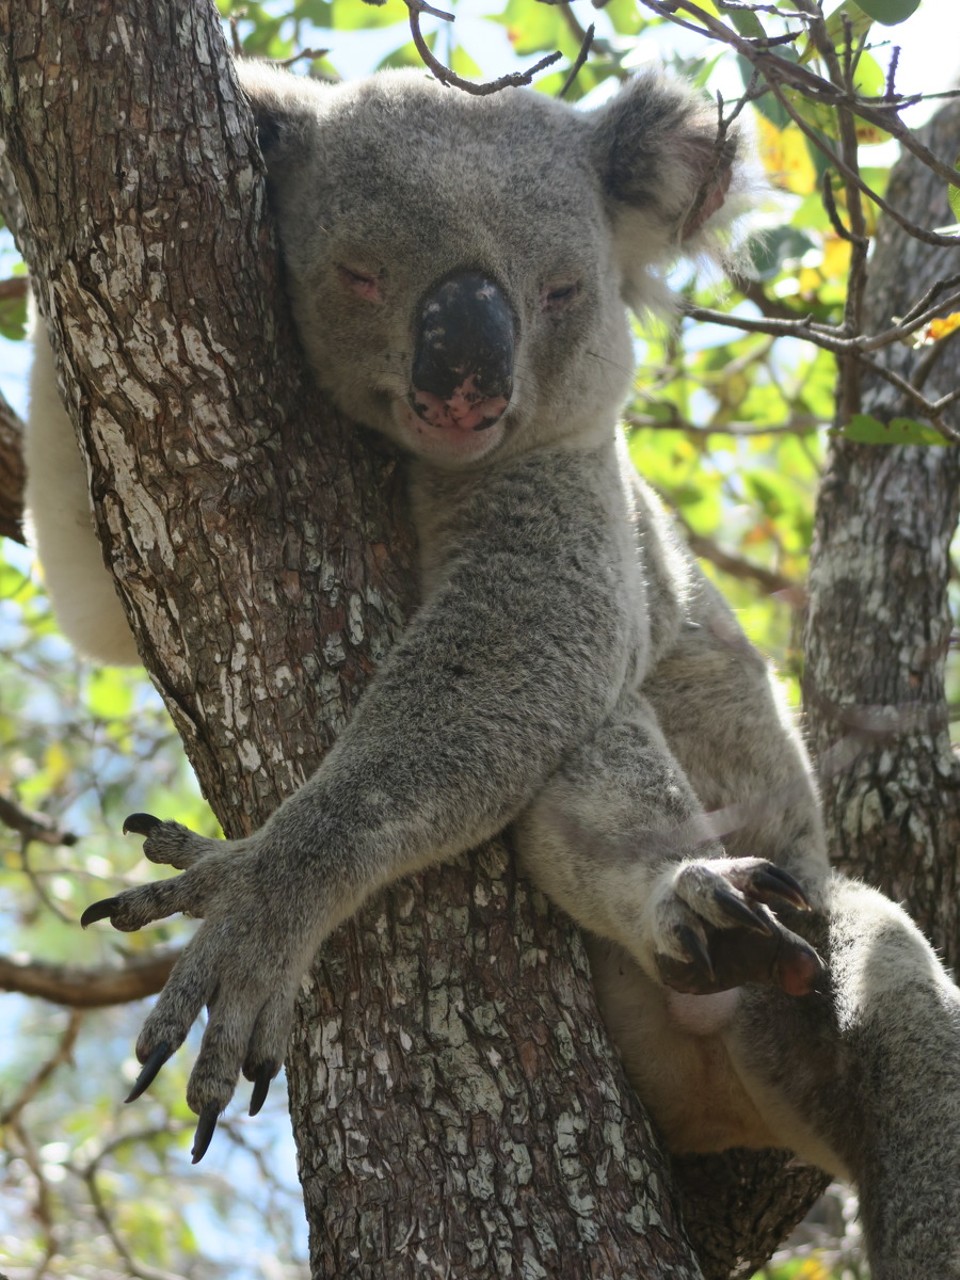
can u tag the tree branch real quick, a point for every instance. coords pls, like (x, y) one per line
(79, 987)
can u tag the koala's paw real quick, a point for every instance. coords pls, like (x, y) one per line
(244, 963)
(713, 925)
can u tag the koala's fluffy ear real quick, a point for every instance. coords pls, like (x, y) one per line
(285, 108)
(668, 174)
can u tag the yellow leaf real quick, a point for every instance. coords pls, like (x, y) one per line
(836, 257)
(943, 325)
(56, 764)
(786, 157)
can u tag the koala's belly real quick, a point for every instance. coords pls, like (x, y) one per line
(674, 1054)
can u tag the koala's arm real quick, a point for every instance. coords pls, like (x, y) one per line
(60, 523)
(519, 650)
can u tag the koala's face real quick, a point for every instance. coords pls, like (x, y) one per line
(454, 263)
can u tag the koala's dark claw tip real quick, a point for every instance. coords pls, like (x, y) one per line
(261, 1086)
(98, 911)
(741, 912)
(697, 948)
(774, 882)
(140, 824)
(206, 1124)
(149, 1071)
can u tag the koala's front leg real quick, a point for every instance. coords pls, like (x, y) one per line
(517, 655)
(620, 840)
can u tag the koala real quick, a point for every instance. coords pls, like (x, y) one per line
(460, 271)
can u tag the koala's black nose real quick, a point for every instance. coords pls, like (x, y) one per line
(463, 357)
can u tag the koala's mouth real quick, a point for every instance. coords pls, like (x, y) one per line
(465, 409)
(436, 434)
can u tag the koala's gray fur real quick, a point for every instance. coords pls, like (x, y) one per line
(570, 672)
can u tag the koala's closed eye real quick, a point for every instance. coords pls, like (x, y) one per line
(559, 294)
(363, 283)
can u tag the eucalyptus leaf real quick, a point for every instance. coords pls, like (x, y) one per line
(863, 428)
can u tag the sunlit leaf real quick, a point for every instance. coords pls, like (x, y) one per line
(786, 157)
(863, 428)
(348, 15)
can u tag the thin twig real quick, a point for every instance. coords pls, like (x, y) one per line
(447, 76)
(579, 60)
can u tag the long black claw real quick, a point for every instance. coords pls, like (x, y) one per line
(261, 1085)
(140, 824)
(694, 943)
(775, 882)
(205, 1127)
(149, 1071)
(742, 912)
(98, 911)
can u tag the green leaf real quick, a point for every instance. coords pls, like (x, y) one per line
(625, 17)
(953, 193)
(849, 16)
(408, 55)
(865, 429)
(347, 15)
(783, 244)
(533, 27)
(748, 24)
(889, 12)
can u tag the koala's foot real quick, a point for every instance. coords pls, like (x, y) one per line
(712, 926)
(244, 963)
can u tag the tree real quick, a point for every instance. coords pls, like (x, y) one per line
(449, 1036)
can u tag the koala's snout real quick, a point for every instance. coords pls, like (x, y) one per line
(462, 374)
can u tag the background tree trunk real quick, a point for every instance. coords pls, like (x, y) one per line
(879, 627)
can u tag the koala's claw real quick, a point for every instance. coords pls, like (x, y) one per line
(694, 943)
(771, 884)
(740, 912)
(714, 927)
(150, 1070)
(140, 824)
(98, 911)
(206, 1125)
(261, 1085)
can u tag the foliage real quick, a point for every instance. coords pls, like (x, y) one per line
(729, 425)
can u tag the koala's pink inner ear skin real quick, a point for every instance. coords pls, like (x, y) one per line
(709, 202)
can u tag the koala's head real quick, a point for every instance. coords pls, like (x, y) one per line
(459, 266)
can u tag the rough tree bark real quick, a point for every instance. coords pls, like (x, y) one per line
(879, 627)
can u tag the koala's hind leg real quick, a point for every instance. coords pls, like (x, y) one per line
(864, 1079)
(618, 838)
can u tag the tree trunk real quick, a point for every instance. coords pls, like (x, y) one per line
(879, 627)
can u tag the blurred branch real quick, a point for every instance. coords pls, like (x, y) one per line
(33, 826)
(80, 987)
(61, 1054)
